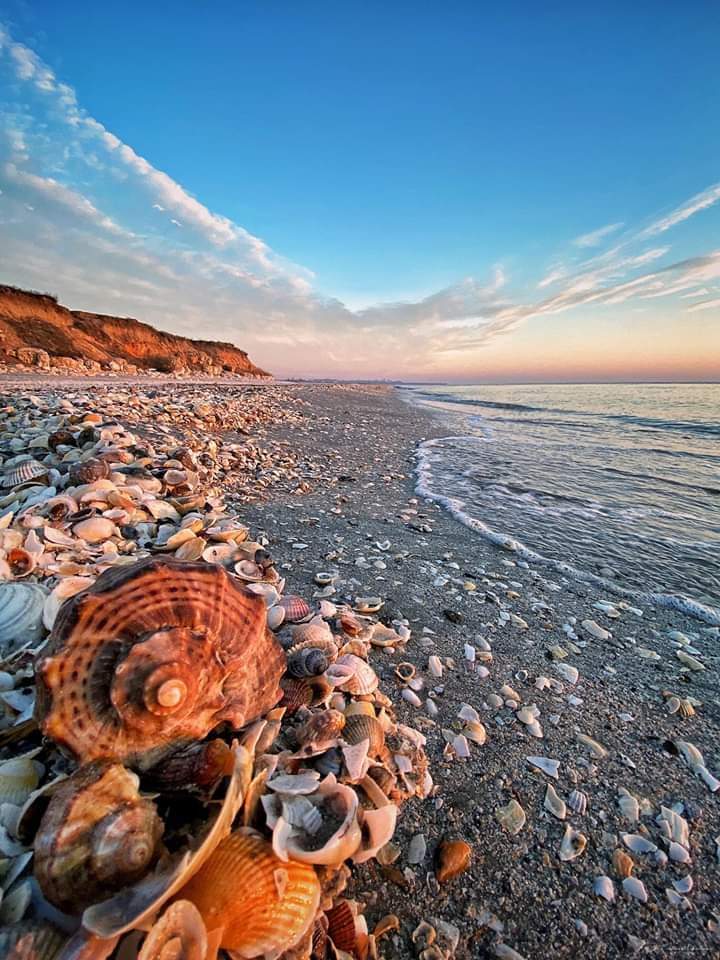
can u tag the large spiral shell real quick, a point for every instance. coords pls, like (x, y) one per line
(96, 836)
(152, 655)
(261, 905)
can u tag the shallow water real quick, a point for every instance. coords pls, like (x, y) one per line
(616, 480)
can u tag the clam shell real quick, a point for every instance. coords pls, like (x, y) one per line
(259, 904)
(21, 615)
(29, 471)
(179, 933)
(296, 608)
(339, 808)
(86, 471)
(68, 587)
(95, 529)
(19, 777)
(453, 858)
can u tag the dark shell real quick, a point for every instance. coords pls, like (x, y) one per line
(87, 435)
(153, 655)
(87, 471)
(309, 662)
(329, 762)
(341, 927)
(61, 438)
(200, 765)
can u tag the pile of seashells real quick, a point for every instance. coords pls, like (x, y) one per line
(188, 757)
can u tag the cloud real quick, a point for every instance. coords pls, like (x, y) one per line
(595, 238)
(555, 274)
(705, 305)
(701, 201)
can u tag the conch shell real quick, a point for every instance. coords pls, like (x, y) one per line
(254, 903)
(152, 655)
(96, 836)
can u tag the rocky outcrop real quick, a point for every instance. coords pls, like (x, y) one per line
(38, 332)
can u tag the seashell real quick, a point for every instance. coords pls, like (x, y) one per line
(331, 761)
(307, 662)
(573, 844)
(686, 709)
(96, 836)
(359, 727)
(21, 615)
(350, 624)
(268, 592)
(629, 806)
(435, 667)
(321, 727)
(508, 693)
(603, 887)
(405, 672)
(87, 471)
(68, 587)
(635, 888)
(378, 827)
(638, 843)
(688, 661)
(511, 817)
(275, 617)
(548, 766)
(678, 853)
(30, 941)
(622, 863)
(411, 697)
(474, 731)
(296, 609)
(27, 472)
(21, 562)
(179, 934)
(362, 679)
(95, 529)
(249, 570)
(19, 777)
(554, 803)
(298, 693)
(192, 549)
(567, 672)
(341, 927)
(577, 801)
(132, 907)
(253, 902)
(453, 858)
(338, 805)
(61, 438)
(200, 765)
(596, 749)
(154, 653)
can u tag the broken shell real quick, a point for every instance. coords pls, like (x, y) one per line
(194, 765)
(622, 863)
(360, 727)
(635, 888)
(453, 858)
(573, 844)
(68, 587)
(95, 529)
(577, 801)
(321, 727)
(338, 806)
(603, 887)
(548, 766)
(30, 941)
(511, 817)
(638, 843)
(155, 653)
(21, 562)
(405, 671)
(179, 934)
(255, 903)
(554, 803)
(96, 836)
(435, 667)
(361, 678)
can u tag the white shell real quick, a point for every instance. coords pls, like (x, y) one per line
(635, 888)
(548, 766)
(554, 803)
(638, 843)
(573, 844)
(21, 615)
(604, 887)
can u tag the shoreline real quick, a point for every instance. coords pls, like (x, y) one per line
(326, 478)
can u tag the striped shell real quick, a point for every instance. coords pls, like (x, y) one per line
(303, 692)
(317, 634)
(179, 934)
(96, 836)
(30, 941)
(296, 609)
(341, 927)
(199, 765)
(321, 727)
(307, 662)
(86, 471)
(153, 654)
(29, 471)
(361, 727)
(21, 614)
(363, 679)
(258, 904)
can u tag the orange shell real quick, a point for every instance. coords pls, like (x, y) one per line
(154, 654)
(179, 934)
(453, 858)
(341, 926)
(260, 904)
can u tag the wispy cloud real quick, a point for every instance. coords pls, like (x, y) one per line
(86, 214)
(596, 237)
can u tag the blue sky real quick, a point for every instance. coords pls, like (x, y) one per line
(392, 184)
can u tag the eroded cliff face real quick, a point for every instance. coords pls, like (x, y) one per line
(37, 331)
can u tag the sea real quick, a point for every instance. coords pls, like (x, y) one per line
(614, 483)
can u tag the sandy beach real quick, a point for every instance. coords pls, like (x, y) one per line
(625, 861)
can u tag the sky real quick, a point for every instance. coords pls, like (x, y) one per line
(422, 191)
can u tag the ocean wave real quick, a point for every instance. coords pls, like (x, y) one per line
(715, 491)
(455, 507)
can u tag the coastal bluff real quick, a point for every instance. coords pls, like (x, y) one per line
(38, 332)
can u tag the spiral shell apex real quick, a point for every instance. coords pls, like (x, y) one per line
(96, 836)
(260, 905)
(152, 655)
(308, 662)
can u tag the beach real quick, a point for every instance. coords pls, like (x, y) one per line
(548, 667)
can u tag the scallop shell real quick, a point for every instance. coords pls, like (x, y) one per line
(296, 609)
(179, 934)
(19, 777)
(304, 692)
(321, 727)
(577, 801)
(362, 679)
(153, 654)
(130, 908)
(87, 471)
(96, 836)
(361, 727)
(258, 904)
(453, 858)
(21, 615)
(341, 927)
(29, 471)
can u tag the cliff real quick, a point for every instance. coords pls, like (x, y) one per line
(37, 331)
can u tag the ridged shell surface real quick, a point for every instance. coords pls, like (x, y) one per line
(179, 934)
(28, 471)
(21, 614)
(360, 727)
(154, 654)
(262, 904)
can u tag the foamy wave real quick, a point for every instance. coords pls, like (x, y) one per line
(455, 507)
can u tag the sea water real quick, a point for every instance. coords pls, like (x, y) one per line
(613, 481)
